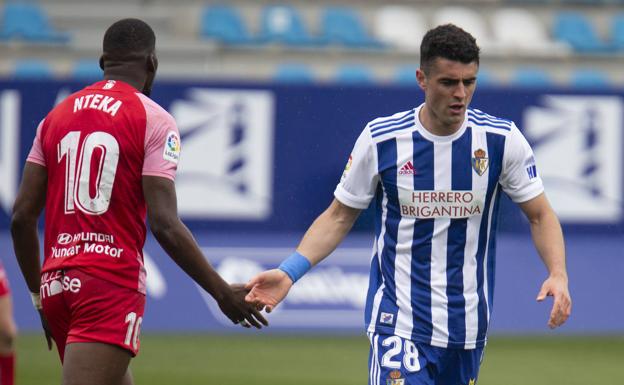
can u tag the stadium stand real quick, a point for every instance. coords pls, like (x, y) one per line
(293, 73)
(577, 30)
(589, 78)
(28, 21)
(86, 69)
(531, 78)
(354, 74)
(215, 39)
(342, 25)
(32, 69)
(402, 27)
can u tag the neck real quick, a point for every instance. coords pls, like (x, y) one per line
(135, 81)
(432, 123)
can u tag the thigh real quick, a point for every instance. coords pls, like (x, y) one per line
(462, 367)
(397, 361)
(4, 282)
(8, 330)
(103, 312)
(95, 364)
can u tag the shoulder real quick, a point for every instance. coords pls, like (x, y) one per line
(389, 126)
(490, 123)
(153, 110)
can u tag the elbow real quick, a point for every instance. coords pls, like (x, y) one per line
(22, 221)
(164, 230)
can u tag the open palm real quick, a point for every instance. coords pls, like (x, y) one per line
(268, 288)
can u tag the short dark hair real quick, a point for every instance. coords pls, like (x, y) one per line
(128, 39)
(450, 42)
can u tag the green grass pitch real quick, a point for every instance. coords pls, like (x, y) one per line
(288, 360)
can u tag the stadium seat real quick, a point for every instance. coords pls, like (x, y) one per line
(224, 24)
(576, 29)
(87, 69)
(284, 24)
(406, 75)
(531, 78)
(617, 31)
(293, 73)
(589, 78)
(32, 69)
(28, 21)
(486, 78)
(467, 19)
(517, 28)
(353, 74)
(341, 25)
(400, 26)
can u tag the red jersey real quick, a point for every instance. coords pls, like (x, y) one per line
(96, 146)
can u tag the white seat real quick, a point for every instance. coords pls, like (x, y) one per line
(400, 26)
(516, 28)
(467, 19)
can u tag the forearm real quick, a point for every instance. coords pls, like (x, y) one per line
(548, 240)
(324, 236)
(180, 245)
(26, 246)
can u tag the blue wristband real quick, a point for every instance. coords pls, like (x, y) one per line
(295, 266)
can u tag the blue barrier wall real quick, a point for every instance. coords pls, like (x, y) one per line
(260, 162)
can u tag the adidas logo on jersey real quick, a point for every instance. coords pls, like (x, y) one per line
(407, 169)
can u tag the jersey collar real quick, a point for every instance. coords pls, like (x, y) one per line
(438, 138)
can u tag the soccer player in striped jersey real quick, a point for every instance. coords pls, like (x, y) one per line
(435, 174)
(103, 160)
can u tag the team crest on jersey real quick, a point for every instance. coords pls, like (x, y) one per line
(172, 148)
(109, 84)
(480, 162)
(347, 167)
(395, 378)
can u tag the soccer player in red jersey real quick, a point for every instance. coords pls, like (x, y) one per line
(8, 331)
(101, 161)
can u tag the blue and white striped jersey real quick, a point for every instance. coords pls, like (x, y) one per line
(436, 204)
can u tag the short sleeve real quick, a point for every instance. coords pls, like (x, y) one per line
(360, 177)
(519, 177)
(162, 144)
(36, 152)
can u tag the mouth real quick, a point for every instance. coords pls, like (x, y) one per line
(456, 109)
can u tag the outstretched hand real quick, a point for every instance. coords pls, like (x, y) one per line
(268, 289)
(557, 287)
(239, 311)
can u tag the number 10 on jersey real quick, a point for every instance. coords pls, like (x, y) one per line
(79, 178)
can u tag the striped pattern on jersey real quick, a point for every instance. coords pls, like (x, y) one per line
(432, 278)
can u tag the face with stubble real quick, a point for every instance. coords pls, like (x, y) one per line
(448, 86)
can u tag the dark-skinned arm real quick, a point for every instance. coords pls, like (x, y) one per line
(26, 210)
(175, 238)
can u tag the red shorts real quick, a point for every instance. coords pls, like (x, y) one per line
(4, 282)
(82, 308)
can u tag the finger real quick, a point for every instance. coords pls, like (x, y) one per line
(542, 294)
(48, 340)
(251, 320)
(253, 282)
(260, 317)
(251, 297)
(269, 308)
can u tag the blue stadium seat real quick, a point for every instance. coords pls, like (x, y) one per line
(576, 29)
(32, 69)
(531, 78)
(224, 24)
(293, 73)
(284, 24)
(341, 25)
(485, 78)
(29, 22)
(406, 75)
(617, 31)
(354, 74)
(87, 69)
(589, 78)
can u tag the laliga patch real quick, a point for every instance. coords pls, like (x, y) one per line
(386, 318)
(347, 168)
(172, 147)
(395, 378)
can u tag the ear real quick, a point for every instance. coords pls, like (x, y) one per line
(102, 62)
(421, 78)
(152, 63)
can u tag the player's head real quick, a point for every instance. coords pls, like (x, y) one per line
(449, 61)
(129, 51)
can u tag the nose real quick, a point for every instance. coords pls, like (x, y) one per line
(460, 91)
